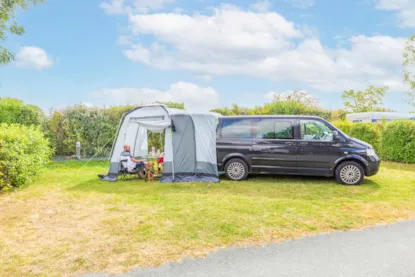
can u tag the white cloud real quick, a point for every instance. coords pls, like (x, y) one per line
(261, 6)
(88, 105)
(301, 4)
(404, 8)
(33, 57)
(124, 40)
(128, 6)
(205, 77)
(193, 96)
(232, 41)
(114, 7)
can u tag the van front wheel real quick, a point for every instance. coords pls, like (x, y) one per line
(236, 170)
(350, 173)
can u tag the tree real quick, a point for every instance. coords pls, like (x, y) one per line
(409, 68)
(368, 100)
(299, 96)
(15, 111)
(9, 25)
(295, 108)
(338, 115)
(173, 105)
(235, 110)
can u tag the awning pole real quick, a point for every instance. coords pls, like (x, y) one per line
(172, 152)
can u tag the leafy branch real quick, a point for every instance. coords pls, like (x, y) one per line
(8, 25)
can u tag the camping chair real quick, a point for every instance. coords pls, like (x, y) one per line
(124, 173)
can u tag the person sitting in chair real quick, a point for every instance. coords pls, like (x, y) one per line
(133, 164)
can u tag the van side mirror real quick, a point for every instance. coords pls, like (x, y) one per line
(336, 136)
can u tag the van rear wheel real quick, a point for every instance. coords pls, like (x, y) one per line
(350, 173)
(236, 170)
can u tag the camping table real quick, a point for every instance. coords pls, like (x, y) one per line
(152, 158)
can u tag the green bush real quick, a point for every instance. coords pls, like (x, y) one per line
(23, 151)
(15, 111)
(94, 127)
(276, 108)
(344, 126)
(398, 141)
(296, 108)
(367, 132)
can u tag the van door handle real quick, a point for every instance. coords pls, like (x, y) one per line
(303, 143)
(289, 143)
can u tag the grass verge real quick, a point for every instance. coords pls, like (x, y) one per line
(68, 222)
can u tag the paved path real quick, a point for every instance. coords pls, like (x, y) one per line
(379, 251)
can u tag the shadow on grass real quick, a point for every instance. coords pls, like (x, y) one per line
(287, 187)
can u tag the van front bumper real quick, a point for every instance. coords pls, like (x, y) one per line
(373, 166)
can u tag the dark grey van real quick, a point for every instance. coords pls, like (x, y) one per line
(294, 145)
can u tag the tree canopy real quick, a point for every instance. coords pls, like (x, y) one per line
(299, 96)
(409, 68)
(368, 100)
(9, 25)
(15, 111)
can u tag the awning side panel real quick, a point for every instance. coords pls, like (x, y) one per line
(205, 133)
(184, 145)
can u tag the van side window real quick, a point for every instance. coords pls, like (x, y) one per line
(274, 129)
(314, 130)
(236, 128)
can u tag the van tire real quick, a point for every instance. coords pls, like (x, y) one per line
(236, 170)
(350, 173)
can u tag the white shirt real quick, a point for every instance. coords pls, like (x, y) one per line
(130, 164)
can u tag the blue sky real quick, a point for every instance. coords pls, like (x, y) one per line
(206, 53)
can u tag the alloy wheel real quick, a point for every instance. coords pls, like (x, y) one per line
(350, 174)
(236, 170)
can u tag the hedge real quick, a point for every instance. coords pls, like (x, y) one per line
(94, 127)
(279, 108)
(368, 132)
(393, 141)
(23, 151)
(15, 111)
(397, 141)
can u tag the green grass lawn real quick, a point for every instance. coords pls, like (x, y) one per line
(68, 222)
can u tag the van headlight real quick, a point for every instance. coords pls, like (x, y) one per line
(371, 152)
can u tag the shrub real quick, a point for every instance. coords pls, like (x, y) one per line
(367, 132)
(94, 127)
(15, 111)
(23, 151)
(296, 108)
(344, 126)
(276, 108)
(398, 141)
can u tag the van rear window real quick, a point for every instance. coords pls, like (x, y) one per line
(236, 128)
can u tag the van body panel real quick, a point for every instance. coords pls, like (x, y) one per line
(227, 149)
(318, 158)
(272, 154)
(270, 146)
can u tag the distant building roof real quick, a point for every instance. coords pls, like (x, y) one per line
(381, 115)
